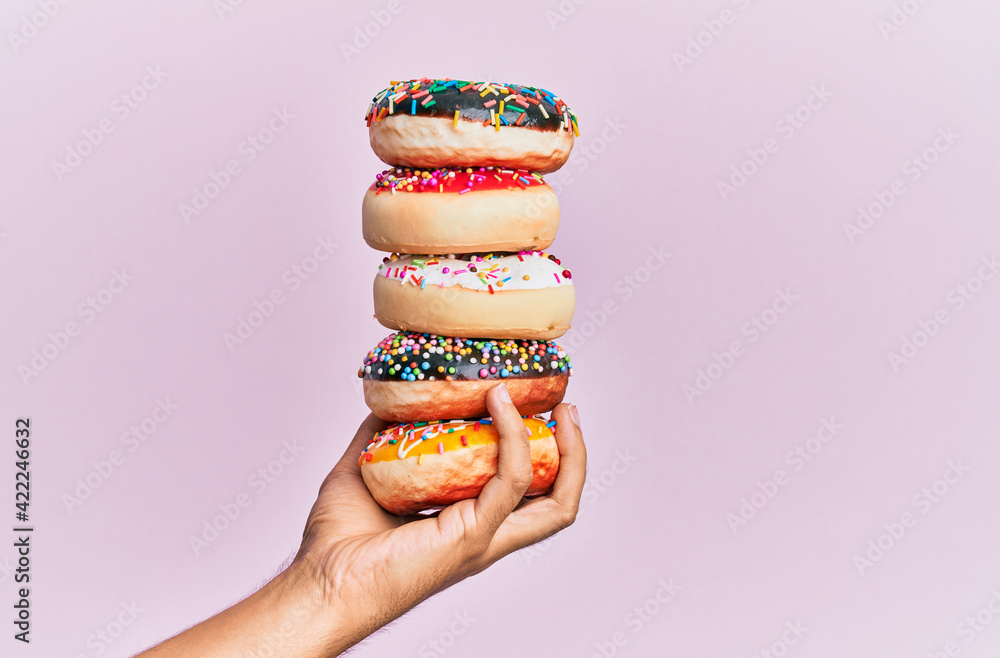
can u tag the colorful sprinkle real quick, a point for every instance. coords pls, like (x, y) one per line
(452, 179)
(535, 106)
(409, 356)
(402, 438)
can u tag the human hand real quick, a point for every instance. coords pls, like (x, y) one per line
(374, 566)
(359, 567)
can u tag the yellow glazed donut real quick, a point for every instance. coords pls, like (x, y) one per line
(417, 466)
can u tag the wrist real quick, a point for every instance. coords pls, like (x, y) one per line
(289, 616)
(311, 611)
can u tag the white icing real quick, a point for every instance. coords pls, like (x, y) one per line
(402, 451)
(431, 271)
(428, 432)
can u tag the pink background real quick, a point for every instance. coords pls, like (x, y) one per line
(653, 183)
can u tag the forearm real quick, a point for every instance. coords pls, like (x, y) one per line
(289, 616)
(361, 567)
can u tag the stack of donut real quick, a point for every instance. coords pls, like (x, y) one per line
(465, 216)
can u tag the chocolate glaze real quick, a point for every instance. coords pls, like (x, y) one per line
(448, 97)
(427, 358)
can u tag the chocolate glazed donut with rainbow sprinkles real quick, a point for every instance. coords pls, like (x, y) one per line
(429, 123)
(418, 377)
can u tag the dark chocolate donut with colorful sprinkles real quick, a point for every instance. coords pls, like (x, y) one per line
(444, 122)
(489, 102)
(419, 377)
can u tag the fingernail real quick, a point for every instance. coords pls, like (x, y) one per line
(503, 393)
(574, 414)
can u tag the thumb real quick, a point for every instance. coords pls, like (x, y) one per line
(514, 472)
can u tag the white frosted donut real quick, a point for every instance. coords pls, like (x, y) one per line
(527, 295)
(417, 466)
(459, 210)
(414, 377)
(439, 122)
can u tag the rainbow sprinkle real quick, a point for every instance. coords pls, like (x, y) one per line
(519, 105)
(402, 438)
(408, 356)
(454, 179)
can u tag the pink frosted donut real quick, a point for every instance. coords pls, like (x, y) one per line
(459, 210)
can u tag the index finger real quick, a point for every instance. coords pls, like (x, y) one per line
(348, 463)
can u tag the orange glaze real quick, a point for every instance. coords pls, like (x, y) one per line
(449, 436)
